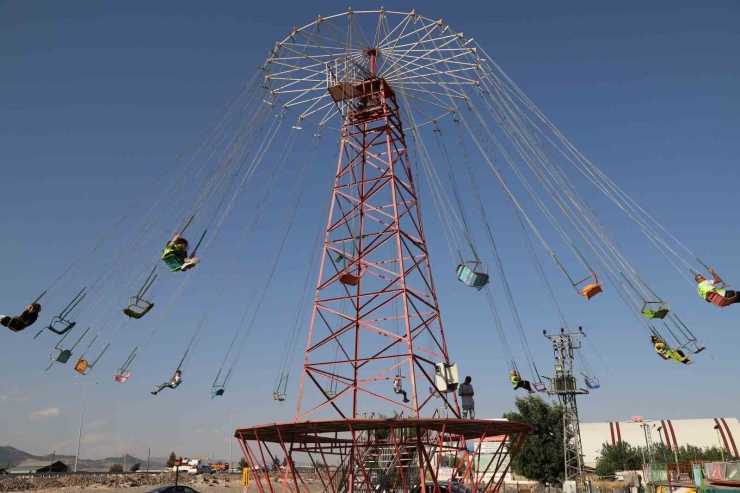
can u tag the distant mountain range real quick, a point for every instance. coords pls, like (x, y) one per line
(13, 456)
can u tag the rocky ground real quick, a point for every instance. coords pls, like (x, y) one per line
(133, 483)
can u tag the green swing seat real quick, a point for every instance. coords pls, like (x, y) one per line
(63, 356)
(655, 309)
(172, 262)
(651, 314)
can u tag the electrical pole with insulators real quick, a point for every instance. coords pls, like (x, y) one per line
(565, 386)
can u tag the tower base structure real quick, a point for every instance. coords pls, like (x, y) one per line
(382, 455)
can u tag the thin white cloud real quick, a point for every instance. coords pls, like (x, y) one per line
(93, 438)
(43, 415)
(96, 425)
(3, 397)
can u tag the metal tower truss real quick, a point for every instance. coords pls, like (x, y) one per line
(565, 386)
(376, 315)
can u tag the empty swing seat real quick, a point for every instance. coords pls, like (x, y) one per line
(132, 312)
(470, 277)
(718, 300)
(82, 366)
(591, 290)
(217, 393)
(659, 313)
(592, 383)
(539, 386)
(63, 356)
(60, 326)
(349, 279)
(122, 376)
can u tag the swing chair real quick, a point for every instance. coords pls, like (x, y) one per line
(591, 289)
(278, 396)
(592, 383)
(351, 279)
(720, 301)
(172, 261)
(473, 273)
(655, 309)
(217, 392)
(539, 386)
(137, 305)
(59, 355)
(82, 367)
(692, 345)
(59, 324)
(122, 375)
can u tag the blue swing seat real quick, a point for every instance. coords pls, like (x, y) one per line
(217, 393)
(470, 274)
(592, 383)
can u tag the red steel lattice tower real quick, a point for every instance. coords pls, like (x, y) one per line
(375, 316)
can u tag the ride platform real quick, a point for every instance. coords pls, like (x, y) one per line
(382, 455)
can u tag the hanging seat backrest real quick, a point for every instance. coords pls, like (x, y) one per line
(82, 366)
(470, 275)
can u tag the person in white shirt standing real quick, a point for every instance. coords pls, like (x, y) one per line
(466, 392)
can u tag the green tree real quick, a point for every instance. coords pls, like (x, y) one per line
(171, 459)
(618, 457)
(285, 462)
(242, 463)
(541, 457)
(136, 467)
(115, 468)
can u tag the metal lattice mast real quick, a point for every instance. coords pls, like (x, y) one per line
(564, 385)
(375, 315)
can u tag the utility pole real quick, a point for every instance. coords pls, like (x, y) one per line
(82, 416)
(719, 440)
(565, 386)
(231, 438)
(148, 456)
(665, 459)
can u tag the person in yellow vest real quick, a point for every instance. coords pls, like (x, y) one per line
(667, 353)
(518, 383)
(705, 286)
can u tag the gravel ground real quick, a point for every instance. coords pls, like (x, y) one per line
(208, 483)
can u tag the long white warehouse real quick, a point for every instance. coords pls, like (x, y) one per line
(697, 432)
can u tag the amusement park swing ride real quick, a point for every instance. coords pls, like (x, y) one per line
(404, 94)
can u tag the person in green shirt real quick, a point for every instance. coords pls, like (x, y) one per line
(176, 257)
(667, 353)
(716, 285)
(518, 383)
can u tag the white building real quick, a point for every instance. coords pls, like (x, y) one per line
(697, 432)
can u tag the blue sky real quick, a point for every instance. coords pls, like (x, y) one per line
(96, 98)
